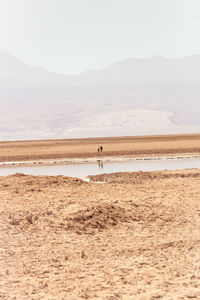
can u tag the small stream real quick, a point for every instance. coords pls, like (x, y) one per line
(100, 167)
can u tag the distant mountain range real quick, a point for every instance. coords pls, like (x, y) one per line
(130, 97)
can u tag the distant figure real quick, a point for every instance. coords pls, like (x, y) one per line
(101, 148)
(98, 149)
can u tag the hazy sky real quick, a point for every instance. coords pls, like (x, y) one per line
(71, 36)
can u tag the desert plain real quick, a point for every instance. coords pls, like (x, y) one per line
(87, 147)
(119, 236)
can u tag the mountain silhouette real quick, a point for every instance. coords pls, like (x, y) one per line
(125, 98)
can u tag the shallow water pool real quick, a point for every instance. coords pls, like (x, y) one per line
(100, 167)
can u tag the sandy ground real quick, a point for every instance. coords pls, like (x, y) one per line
(84, 148)
(121, 236)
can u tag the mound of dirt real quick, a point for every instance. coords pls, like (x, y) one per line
(104, 216)
(99, 217)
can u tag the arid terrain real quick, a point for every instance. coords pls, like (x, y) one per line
(114, 146)
(120, 236)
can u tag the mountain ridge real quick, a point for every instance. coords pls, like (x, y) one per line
(132, 96)
(157, 58)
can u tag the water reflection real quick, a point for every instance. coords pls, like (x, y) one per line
(100, 167)
(100, 164)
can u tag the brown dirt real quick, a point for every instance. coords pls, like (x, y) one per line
(129, 236)
(114, 146)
